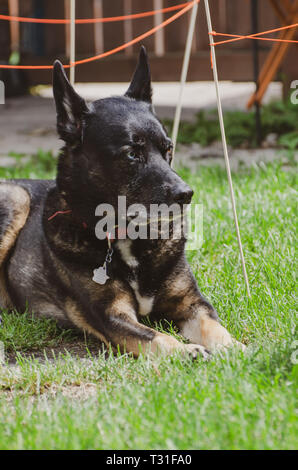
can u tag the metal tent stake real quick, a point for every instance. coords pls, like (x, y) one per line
(72, 40)
(224, 142)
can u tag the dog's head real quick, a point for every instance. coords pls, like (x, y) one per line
(115, 146)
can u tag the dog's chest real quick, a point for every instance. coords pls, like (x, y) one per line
(145, 302)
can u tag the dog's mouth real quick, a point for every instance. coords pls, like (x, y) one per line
(159, 222)
(138, 219)
(158, 227)
(144, 217)
(140, 214)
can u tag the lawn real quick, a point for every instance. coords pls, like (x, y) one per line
(74, 396)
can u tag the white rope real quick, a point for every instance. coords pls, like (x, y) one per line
(72, 57)
(224, 142)
(184, 71)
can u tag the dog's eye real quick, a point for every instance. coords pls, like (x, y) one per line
(132, 154)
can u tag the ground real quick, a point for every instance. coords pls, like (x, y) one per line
(73, 395)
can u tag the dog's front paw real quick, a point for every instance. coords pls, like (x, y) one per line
(196, 350)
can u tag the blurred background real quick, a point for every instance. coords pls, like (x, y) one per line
(28, 117)
(41, 44)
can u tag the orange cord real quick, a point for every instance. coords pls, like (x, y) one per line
(237, 37)
(93, 20)
(112, 51)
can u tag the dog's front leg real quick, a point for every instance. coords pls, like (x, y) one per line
(201, 327)
(124, 332)
(197, 320)
(120, 329)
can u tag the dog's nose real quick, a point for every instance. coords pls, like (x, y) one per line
(183, 196)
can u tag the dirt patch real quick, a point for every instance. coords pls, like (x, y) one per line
(77, 392)
(78, 347)
(82, 391)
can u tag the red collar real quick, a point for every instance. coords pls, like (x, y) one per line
(119, 231)
(59, 212)
(65, 212)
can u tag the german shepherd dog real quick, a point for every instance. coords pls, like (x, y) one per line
(49, 249)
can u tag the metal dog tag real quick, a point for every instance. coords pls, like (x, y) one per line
(100, 275)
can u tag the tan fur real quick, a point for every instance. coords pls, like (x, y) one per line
(122, 305)
(179, 295)
(78, 319)
(21, 204)
(161, 344)
(5, 301)
(208, 332)
(213, 333)
(20, 200)
(216, 336)
(180, 286)
(165, 344)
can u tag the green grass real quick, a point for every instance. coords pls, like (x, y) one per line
(24, 332)
(236, 401)
(42, 165)
(278, 117)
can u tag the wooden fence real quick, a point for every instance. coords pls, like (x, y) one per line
(41, 44)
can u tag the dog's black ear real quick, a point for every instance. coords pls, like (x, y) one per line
(140, 87)
(69, 105)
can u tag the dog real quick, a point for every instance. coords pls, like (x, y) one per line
(50, 257)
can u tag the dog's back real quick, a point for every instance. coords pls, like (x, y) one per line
(19, 201)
